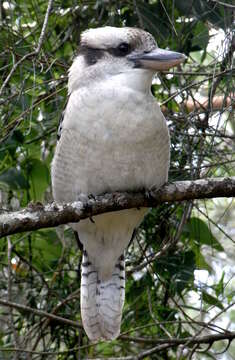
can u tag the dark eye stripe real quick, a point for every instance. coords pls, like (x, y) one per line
(91, 55)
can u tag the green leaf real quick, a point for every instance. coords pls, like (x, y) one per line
(211, 300)
(219, 288)
(185, 7)
(14, 179)
(200, 233)
(185, 271)
(178, 269)
(47, 248)
(200, 36)
(201, 263)
(39, 176)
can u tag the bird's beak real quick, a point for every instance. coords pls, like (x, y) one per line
(157, 59)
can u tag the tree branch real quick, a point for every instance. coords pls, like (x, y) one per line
(205, 339)
(168, 343)
(36, 216)
(32, 53)
(40, 313)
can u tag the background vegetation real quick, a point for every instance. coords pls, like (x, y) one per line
(175, 294)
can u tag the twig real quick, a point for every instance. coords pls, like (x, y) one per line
(167, 343)
(196, 83)
(40, 313)
(162, 344)
(141, 23)
(209, 322)
(26, 261)
(229, 6)
(32, 53)
(44, 26)
(14, 123)
(47, 320)
(216, 224)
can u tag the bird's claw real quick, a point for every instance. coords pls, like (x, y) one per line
(91, 197)
(149, 194)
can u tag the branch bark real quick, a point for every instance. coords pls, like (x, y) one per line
(38, 216)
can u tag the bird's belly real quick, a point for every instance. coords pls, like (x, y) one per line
(102, 150)
(80, 166)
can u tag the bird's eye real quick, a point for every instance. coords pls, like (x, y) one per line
(123, 49)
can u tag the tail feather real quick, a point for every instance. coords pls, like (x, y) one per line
(102, 301)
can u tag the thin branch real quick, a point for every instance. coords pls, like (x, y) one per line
(32, 53)
(167, 343)
(191, 340)
(189, 86)
(26, 261)
(37, 216)
(161, 344)
(230, 6)
(138, 13)
(46, 321)
(13, 69)
(44, 26)
(40, 313)
(205, 339)
(15, 122)
(165, 246)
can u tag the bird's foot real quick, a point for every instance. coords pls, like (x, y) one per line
(85, 197)
(150, 193)
(91, 197)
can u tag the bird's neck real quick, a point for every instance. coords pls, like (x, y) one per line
(136, 80)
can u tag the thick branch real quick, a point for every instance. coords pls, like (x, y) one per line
(37, 216)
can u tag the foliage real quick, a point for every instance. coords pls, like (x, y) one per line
(41, 269)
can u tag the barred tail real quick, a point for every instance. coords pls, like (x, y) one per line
(102, 301)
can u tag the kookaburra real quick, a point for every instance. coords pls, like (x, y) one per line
(113, 138)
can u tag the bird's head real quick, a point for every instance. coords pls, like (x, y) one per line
(126, 53)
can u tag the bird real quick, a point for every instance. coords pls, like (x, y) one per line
(113, 137)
